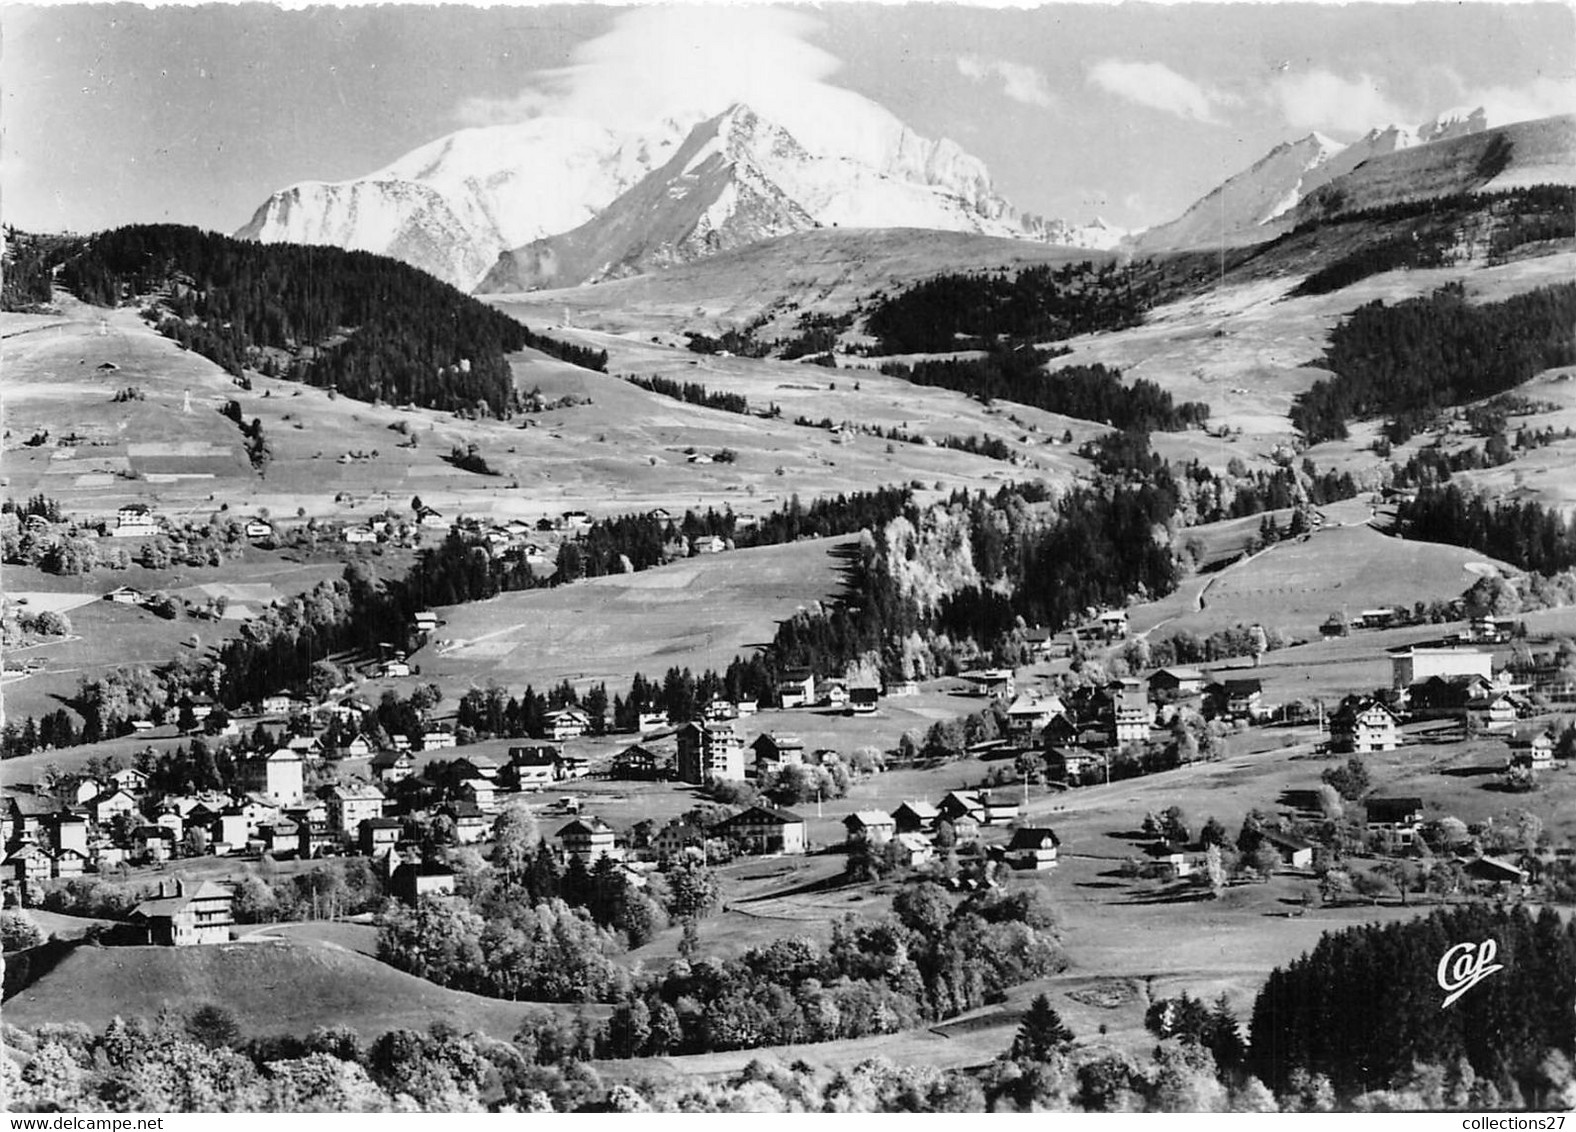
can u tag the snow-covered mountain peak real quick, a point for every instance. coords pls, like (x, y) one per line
(1284, 177)
(1454, 123)
(809, 154)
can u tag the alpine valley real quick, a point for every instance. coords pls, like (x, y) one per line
(736, 615)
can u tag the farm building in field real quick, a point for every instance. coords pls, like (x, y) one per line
(962, 803)
(1295, 852)
(766, 829)
(1416, 663)
(1033, 847)
(710, 752)
(1175, 683)
(1377, 618)
(177, 918)
(1362, 724)
(870, 826)
(864, 698)
(916, 817)
(1496, 870)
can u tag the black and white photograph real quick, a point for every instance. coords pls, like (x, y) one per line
(788, 558)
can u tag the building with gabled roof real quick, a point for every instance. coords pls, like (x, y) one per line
(1033, 847)
(389, 767)
(1296, 852)
(916, 817)
(1175, 682)
(177, 917)
(766, 829)
(1362, 724)
(588, 840)
(532, 766)
(775, 750)
(636, 764)
(870, 826)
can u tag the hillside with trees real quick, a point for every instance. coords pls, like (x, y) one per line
(1043, 303)
(1412, 359)
(1363, 1008)
(1091, 393)
(367, 326)
(1521, 532)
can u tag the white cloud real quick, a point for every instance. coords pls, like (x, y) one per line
(1159, 87)
(1323, 100)
(1019, 82)
(673, 60)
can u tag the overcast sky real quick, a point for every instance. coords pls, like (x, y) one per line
(120, 113)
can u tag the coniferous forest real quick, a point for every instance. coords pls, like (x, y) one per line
(1522, 532)
(370, 327)
(1090, 393)
(1044, 303)
(1414, 358)
(1364, 1006)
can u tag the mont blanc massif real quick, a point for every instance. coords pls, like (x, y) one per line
(736, 615)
